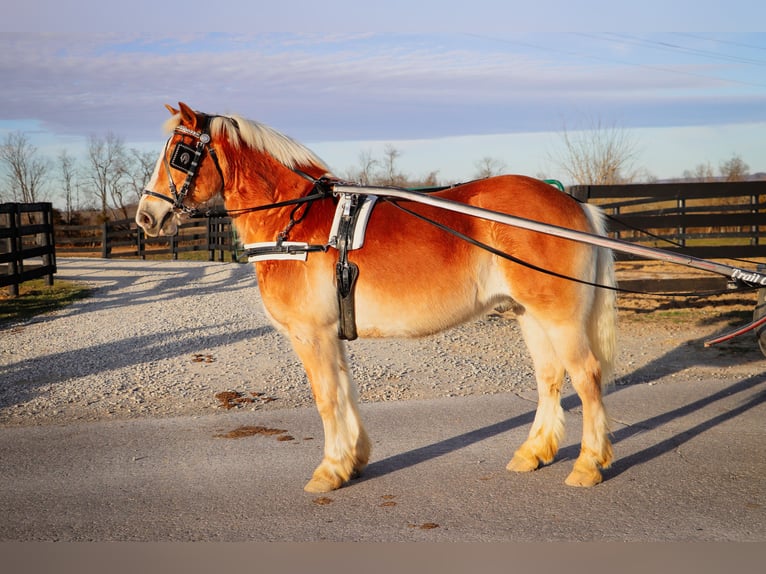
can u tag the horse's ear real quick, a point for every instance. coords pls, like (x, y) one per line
(188, 116)
(171, 109)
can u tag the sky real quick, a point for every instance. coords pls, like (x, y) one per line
(444, 95)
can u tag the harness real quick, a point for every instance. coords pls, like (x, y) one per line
(354, 207)
(347, 233)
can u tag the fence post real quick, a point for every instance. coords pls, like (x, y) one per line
(209, 239)
(233, 241)
(14, 265)
(221, 239)
(174, 246)
(754, 228)
(682, 212)
(49, 257)
(140, 242)
(105, 240)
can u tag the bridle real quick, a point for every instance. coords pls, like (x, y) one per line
(187, 159)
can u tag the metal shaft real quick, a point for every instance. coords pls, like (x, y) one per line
(748, 277)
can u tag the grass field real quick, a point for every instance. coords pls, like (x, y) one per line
(35, 297)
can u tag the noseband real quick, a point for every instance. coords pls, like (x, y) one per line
(187, 159)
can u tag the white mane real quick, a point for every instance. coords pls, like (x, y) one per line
(239, 130)
(263, 138)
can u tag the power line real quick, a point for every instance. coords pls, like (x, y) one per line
(672, 47)
(675, 70)
(720, 41)
(611, 60)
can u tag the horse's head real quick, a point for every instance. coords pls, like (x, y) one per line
(187, 174)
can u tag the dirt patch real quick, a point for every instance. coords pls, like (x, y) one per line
(424, 526)
(388, 501)
(234, 399)
(246, 431)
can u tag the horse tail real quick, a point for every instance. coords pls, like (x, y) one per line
(602, 321)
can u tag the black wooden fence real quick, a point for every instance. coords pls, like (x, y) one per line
(27, 248)
(708, 220)
(123, 238)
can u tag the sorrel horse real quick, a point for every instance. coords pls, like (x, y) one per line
(414, 279)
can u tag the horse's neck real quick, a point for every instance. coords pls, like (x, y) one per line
(262, 182)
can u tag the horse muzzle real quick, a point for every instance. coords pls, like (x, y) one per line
(156, 219)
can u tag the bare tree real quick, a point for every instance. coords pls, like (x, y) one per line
(489, 167)
(702, 173)
(600, 155)
(364, 174)
(67, 173)
(429, 180)
(25, 171)
(140, 167)
(373, 171)
(734, 169)
(106, 174)
(390, 175)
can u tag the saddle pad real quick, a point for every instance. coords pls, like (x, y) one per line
(359, 224)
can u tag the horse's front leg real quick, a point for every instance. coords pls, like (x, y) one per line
(346, 445)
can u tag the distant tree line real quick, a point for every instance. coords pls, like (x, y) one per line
(111, 177)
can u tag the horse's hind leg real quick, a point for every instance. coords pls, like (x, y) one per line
(548, 427)
(346, 445)
(555, 349)
(585, 372)
(595, 449)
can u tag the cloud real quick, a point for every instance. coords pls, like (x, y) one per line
(352, 86)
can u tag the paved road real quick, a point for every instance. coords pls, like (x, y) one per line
(691, 466)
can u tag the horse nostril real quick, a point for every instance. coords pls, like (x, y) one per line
(145, 220)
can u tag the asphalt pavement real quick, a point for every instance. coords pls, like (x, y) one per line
(690, 466)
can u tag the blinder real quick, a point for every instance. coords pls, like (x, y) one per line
(181, 159)
(186, 158)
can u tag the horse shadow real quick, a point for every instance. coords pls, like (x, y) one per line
(106, 357)
(119, 286)
(659, 368)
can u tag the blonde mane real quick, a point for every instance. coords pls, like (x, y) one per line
(241, 131)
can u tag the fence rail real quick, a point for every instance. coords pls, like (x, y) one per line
(708, 220)
(27, 248)
(123, 238)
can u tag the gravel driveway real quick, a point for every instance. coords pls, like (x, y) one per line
(165, 338)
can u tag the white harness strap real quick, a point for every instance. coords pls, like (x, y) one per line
(298, 251)
(359, 226)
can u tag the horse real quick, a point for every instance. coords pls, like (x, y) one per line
(414, 279)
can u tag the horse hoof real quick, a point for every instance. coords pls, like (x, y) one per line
(584, 478)
(522, 463)
(323, 481)
(321, 485)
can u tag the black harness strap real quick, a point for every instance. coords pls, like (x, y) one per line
(288, 249)
(347, 272)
